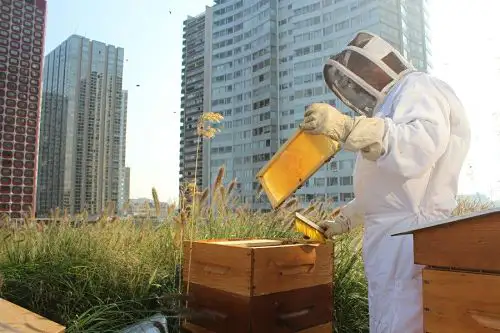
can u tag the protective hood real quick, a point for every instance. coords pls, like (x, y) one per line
(363, 73)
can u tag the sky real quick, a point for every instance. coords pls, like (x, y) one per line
(151, 34)
(466, 54)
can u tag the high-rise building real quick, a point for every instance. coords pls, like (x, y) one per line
(266, 66)
(81, 127)
(122, 196)
(22, 37)
(126, 192)
(195, 94)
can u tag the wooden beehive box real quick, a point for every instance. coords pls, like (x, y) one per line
(461, 280)
(258, 285)
(14, 318)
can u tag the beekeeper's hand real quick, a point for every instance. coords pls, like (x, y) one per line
(322, 118)
(338, 226)
(357, 134)
(332, 228)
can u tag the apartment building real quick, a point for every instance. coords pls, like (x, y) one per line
(122, 189)
(308, 35)
(195, 92)
(266, 67)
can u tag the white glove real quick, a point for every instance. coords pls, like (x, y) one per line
(357, 134)
(339, 226)
(349, 217)
(322, 118)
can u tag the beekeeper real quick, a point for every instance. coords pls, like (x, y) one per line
(412, 136)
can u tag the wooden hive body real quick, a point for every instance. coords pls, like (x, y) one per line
(258, 286)
(461, 280)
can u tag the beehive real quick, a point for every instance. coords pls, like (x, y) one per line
(259, 285)
(294, 163)
(461, 280)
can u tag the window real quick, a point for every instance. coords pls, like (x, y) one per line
(332, 181)
(328, 30)
(346, 164)
(346, 196)
(342, 25)
(348, 180)
(319, 182)
(306, 9)
(307, 22)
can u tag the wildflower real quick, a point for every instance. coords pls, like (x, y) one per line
(206, 130)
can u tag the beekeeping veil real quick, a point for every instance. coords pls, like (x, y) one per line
(362, 74)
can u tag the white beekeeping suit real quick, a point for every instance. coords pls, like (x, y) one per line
(412, 136)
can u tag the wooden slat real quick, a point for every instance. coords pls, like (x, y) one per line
(461, 302)
(468, 245)
(192, 328)
(217, 310)
(219, 266)
(14, 318)
(250, 242)
(325, 328)
(284, 312)
(291, 267)
(292, 311)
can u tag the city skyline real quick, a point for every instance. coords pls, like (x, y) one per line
(153, 145)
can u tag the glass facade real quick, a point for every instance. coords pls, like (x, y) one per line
(81, 146)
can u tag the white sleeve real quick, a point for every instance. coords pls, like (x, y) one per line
(418, 134)
(354, 213)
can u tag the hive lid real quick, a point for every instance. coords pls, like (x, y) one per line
(294, 163)
(451, 220)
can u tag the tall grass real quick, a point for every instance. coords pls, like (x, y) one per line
(105, 276)
(102, 277)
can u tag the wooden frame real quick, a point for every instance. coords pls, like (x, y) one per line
(294, 163)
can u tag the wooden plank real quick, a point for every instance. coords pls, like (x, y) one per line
(14, 318)
(460, 302)
(192, 328)
(250, 242)
(325, 328)
(471, 245)
(217, 310)
(449, 221)
(291, 267)
(292, 311)
(218, 266)
(284, 312)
